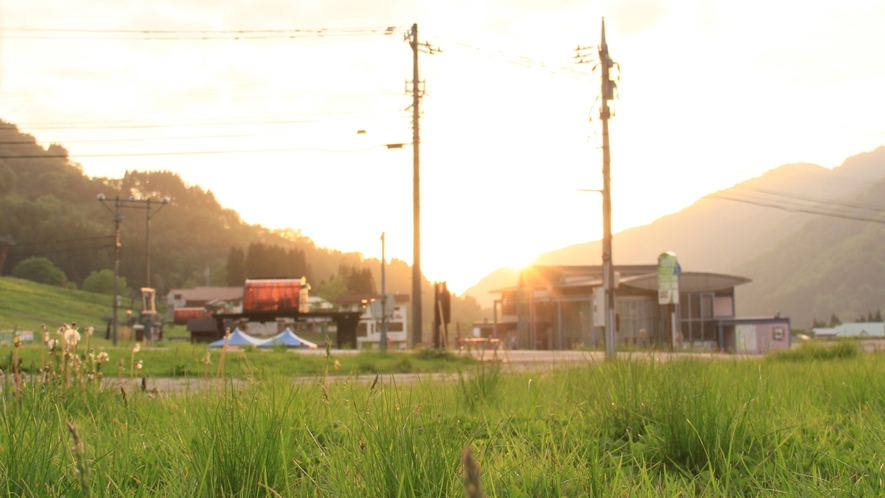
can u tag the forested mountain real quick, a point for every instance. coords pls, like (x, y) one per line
(50, 208)
(802, 264)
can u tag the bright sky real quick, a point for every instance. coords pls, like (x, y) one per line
(712, 92)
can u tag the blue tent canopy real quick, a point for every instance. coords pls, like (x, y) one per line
(288, 338)
(238, 338)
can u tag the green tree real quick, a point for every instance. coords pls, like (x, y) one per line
(834, 321)
(7, 179)
(331, 289)
(102, 282)
(236, 267)
(39, 270)
(358, 281)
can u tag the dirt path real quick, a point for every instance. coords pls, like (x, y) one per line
(512, 361)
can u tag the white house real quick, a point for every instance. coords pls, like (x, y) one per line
(368, 332)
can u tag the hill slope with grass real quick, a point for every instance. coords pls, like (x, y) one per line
(26, 305)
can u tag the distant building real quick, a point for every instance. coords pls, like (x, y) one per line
(558, 307)
(368, 332)
(858, 329)
(228, 298)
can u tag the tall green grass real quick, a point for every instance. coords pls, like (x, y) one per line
(637, 428)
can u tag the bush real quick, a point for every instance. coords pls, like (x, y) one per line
(102, 282)
(435, 354)
(811, 351)
(40, 270)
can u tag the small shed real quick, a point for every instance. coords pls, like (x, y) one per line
(203, 329)
(755, 335)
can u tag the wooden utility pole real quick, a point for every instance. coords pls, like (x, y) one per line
(608, 277)
(383, 344)
(417, 319)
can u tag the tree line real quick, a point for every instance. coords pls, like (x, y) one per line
(50, 211)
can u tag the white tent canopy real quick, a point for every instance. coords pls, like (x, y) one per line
(288, 338)
(237, 338)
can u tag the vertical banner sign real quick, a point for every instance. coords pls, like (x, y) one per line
(668, 278)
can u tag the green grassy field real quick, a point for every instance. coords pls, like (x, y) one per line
(188, 360)
(796, 426)
(26, 305)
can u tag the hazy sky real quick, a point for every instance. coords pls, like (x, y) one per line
(711, 93)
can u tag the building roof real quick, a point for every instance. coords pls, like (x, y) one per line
(643, 277)
(204, 294)
(861, 329)
(688, 281)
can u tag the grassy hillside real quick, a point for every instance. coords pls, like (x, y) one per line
(829, 265)
(26, 305)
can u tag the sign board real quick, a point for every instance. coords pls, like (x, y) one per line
(599, 307)
(390, 305)
(24, 335)
(668, 278)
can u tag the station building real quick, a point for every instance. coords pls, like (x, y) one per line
(558, 307)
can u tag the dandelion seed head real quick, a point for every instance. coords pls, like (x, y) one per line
(71, 337)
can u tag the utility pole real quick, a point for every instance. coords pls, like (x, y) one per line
(608, 277)
(147, 238)
(417, 93)
(118, 218)
(417, 319)
(132, 202)
(383, 297)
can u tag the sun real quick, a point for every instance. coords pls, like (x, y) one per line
(520, 261)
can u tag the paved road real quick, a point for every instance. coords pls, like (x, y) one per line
(513, 361)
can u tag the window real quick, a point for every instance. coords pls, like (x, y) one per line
(395, 327)
(362, 329)
(778, 334)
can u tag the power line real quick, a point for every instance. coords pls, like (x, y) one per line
(160, 139)
(178, 35)
(794, 209)
(247, 120)
(816, 201)
(192, 152)
(59, 251)
(519, 60)
(39, 242)
(375, 29)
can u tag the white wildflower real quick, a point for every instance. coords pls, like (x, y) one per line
(72, 337)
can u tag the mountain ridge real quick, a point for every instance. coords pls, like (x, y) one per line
(721, 235)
